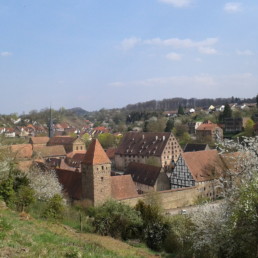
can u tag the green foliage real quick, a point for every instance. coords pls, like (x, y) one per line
(6, 189)
(156, 126)
(244, 220)
(249, 128)
(24, 197)
(169, 125)
(179, 241)
(54, 209)
(180, 110)
(107, 140)
(116, 219)
(155, 225)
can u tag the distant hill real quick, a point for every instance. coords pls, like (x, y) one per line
(173, 103)
(78, 111)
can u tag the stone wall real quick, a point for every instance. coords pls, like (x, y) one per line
(172, 198)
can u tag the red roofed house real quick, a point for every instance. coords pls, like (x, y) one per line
(155, 148)
(200, 169)
(70, 143)
(209, 131)
(148, 178)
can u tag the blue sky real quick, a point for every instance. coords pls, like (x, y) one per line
(105, 54)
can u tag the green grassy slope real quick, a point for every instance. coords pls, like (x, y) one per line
(23, 236)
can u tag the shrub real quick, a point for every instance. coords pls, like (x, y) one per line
(54, 208)
(155, 225)
(24, 197)
(116, 219)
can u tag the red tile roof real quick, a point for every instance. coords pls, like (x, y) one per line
(204, 165)
(22, 150)
(39, 140)
(207, 127)
(50, 151)
(123, 187)
(111, 152)
(71, 182)
(61, 140)
(95, 154)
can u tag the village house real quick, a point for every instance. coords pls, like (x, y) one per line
(39, 141)
(209, 132)
(70, 144)
(148, 178)
(233, 125)
(160, 149)
(48, 152)
(201, 169)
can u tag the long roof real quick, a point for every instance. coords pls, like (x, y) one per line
(123, 187)
(142, 143)
(50, 151)
(204, 165)
(39, 140)
(21, 150)
(61, 140)
(143, 173)
(95, 154)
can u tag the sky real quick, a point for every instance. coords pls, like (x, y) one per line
(98, 54)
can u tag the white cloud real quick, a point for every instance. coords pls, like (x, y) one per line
(207, 50)
(232, 7)
(171, 42)
(174, 56)
(5, 53)
(130, 43)
(246, 52)
(177, 3)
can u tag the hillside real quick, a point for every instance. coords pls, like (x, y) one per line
(22, 236)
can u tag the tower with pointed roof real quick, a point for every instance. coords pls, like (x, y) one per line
(96, 175)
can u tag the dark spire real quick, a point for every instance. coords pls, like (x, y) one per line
(50, 125)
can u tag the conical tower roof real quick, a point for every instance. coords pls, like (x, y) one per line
(95, 154)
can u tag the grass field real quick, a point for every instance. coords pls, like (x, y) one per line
(24, 236)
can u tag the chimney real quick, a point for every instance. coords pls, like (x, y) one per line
(156, 137)
(143, 136)
(164, 138)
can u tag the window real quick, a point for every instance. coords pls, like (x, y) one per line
(102, 167)
(102, 178)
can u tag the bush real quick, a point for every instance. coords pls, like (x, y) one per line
(155, 226)
(24, 197)
(116, 219)
(54, 208)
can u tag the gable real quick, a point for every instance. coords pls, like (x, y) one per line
(181, 175)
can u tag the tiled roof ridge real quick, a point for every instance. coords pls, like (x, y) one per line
(96, 154)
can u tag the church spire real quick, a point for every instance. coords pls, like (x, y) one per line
(50, 125)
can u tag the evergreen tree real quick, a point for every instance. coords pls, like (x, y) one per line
(257, 100)
(180, 110)
(227, 113)
(169, 125)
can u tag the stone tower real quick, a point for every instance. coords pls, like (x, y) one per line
(96, 175)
